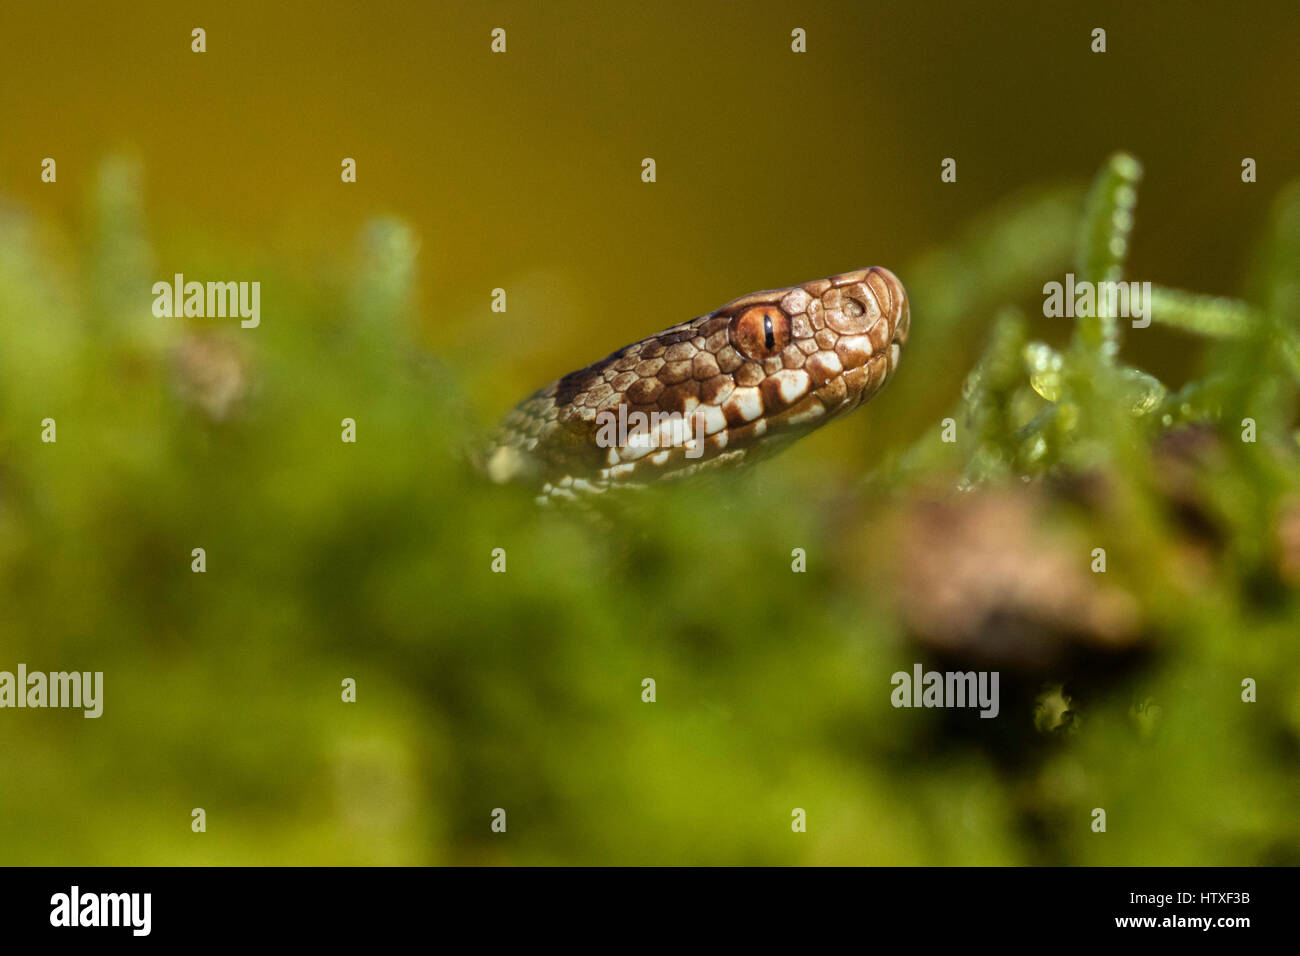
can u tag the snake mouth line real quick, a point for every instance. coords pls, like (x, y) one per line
(748, 379)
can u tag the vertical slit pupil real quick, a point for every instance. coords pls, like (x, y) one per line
(769, 337)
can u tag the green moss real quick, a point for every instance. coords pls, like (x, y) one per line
(523, 690)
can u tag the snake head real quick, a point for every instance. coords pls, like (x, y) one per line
(816, 350)
(726, 388)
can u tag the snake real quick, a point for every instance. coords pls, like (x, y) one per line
(727, 388)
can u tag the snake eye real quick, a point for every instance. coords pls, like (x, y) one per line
(761, 331)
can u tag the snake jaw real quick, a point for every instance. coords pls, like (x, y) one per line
(743, 381)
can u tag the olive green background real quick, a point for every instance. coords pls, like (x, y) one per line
(522, 171)
(773, 168)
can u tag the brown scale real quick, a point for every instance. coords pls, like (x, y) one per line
(759, 372)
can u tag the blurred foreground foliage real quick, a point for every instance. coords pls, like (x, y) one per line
(521, 690)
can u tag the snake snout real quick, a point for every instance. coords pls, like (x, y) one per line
(862, 321)
(887, 287)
